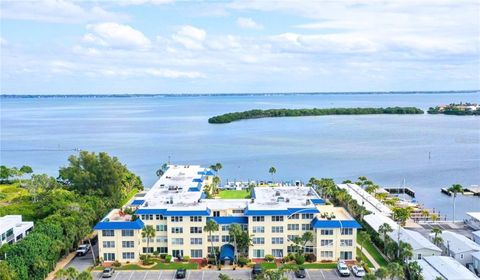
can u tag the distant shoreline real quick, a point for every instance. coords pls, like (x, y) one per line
(225, 94)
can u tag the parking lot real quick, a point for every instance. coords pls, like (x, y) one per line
(312, 274)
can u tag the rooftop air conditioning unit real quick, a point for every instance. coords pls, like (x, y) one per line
(277, 193)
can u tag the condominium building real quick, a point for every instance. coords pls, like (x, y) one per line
(177, 208)
(12, 229)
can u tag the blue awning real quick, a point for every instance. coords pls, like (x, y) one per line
(316, 223)
(137, 224)
(137, 202)
(317, 201)
(197, 180)
(229, 220)
(226, 252)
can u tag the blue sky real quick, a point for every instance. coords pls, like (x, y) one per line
(166, 46)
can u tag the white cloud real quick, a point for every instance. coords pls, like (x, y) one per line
(56, 11)
(190, 37)
(142, 2)
(248, 23)
(116, 35)
(3, 42)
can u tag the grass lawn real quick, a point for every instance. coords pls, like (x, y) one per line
(159, 265)
(229, 194)
(364, 258)
(268, 265)
(374, 252)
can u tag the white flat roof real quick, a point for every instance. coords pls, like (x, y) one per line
(414, 238)
(428, 272)
(375, 220)
(369, 202)
(14, 221)
(267, 198)
(458, 243)
(449, 268)
(474, 215)
(476, 255)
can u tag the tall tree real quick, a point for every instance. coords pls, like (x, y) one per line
(272, 171)
(363, 237)
(401, 215)
(384, 229)
(381, 273)
(437, 240)
(210, 227)
(85, 275)
(307, 237)
(395, 270)
(455, 189)
(414, 271)
(148, 232)
(406, 251)
(216, 167)
(235, 232)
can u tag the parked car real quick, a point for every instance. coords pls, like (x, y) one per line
(181, 273)
(108, 272)
(257, 270)
(343, 269)
(83, 249)
(358, 271)
(300, 273)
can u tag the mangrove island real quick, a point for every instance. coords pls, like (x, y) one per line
(274, 113)
(460, 109)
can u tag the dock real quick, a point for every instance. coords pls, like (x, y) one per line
(401, 190)
(472, 190)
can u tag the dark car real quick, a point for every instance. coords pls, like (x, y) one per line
(257, 270)
(180, 273)
(300, 273)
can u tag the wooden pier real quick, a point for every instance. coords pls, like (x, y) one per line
(401, 190)
(472, 190)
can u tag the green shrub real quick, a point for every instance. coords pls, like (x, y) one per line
(269, 258)
(162, 256)
(168, 258)
(291, 256)
(299, 259)
(116, 264)
(311, 258)
(242, 261)
(186, 258)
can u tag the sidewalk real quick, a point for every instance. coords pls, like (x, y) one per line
(369, 257)
(61, 264)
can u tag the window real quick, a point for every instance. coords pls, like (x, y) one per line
(10, 232)
(237, 211)
(225, 238)
(161, 227)
(147, 250)
(176, 219)
(213, 238)
(147, 217)
(195, 218)
(307, 227)
(177, 241)
(326, 254)
(258, 253)
(195, 241)
(177, 230)
(196, 230)
(108, 244)
(326, 242)
(225, 227)
(127, 232)
(161, 217)
(461, 256)
(292, 237)
(307, 216)
(277, 218)
(244, 227)
(128, 244)
(277, 240)
(144, 240)
(215, 249)
(196, 254)
(108, 256)
(346, 242)
(326, 232)
(308, 249)
(128, 255)
(162, 250)
(216, 213)
(295, 217)
(347, 231)
(108, 232)
(293, 227)
(258, 240)
(258, 229)
(419, 256)
(258, 218)
(177, 253)
(277, 253)
(291, 249)
(345, 255)
(162, 239)
(277, 229)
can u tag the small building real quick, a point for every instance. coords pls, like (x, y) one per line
(458, 246)
(13, 229)
(473, 220)
(375, 220)
(476, 262)
(476, 236)
(422, 247)
(365, 199)
(444, 267)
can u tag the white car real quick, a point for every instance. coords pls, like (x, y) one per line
(343, 269)
(358, 271)
(83, 249)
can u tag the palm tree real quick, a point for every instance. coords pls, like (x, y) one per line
(210, 227)
(216, 167)
(371, 188)
(425, 214)
(455, 188)
(272, 171)
(406, 251)
(384, 229)
(434, 217)
(401, 215)
(61, 274)
(381, 273)
(369, 276)
(437, 240)
(215, 185)
(307, 237)
(72, 273)
(148, 232)
(414, 271)
(235, 231)
(84, 276)
(395, 270)
(363, 237)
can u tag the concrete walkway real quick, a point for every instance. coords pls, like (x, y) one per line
(369, 257)
(60, 265)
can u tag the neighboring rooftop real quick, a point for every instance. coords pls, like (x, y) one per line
(14, 221)
(414, 238)
(458, 243)
(375, 220)
(446, 267)
(367, 200)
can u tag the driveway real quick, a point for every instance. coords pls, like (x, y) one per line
(312, 274)
(81, 263)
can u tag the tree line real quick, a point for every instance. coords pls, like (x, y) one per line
(274, 113)
(64, 210)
